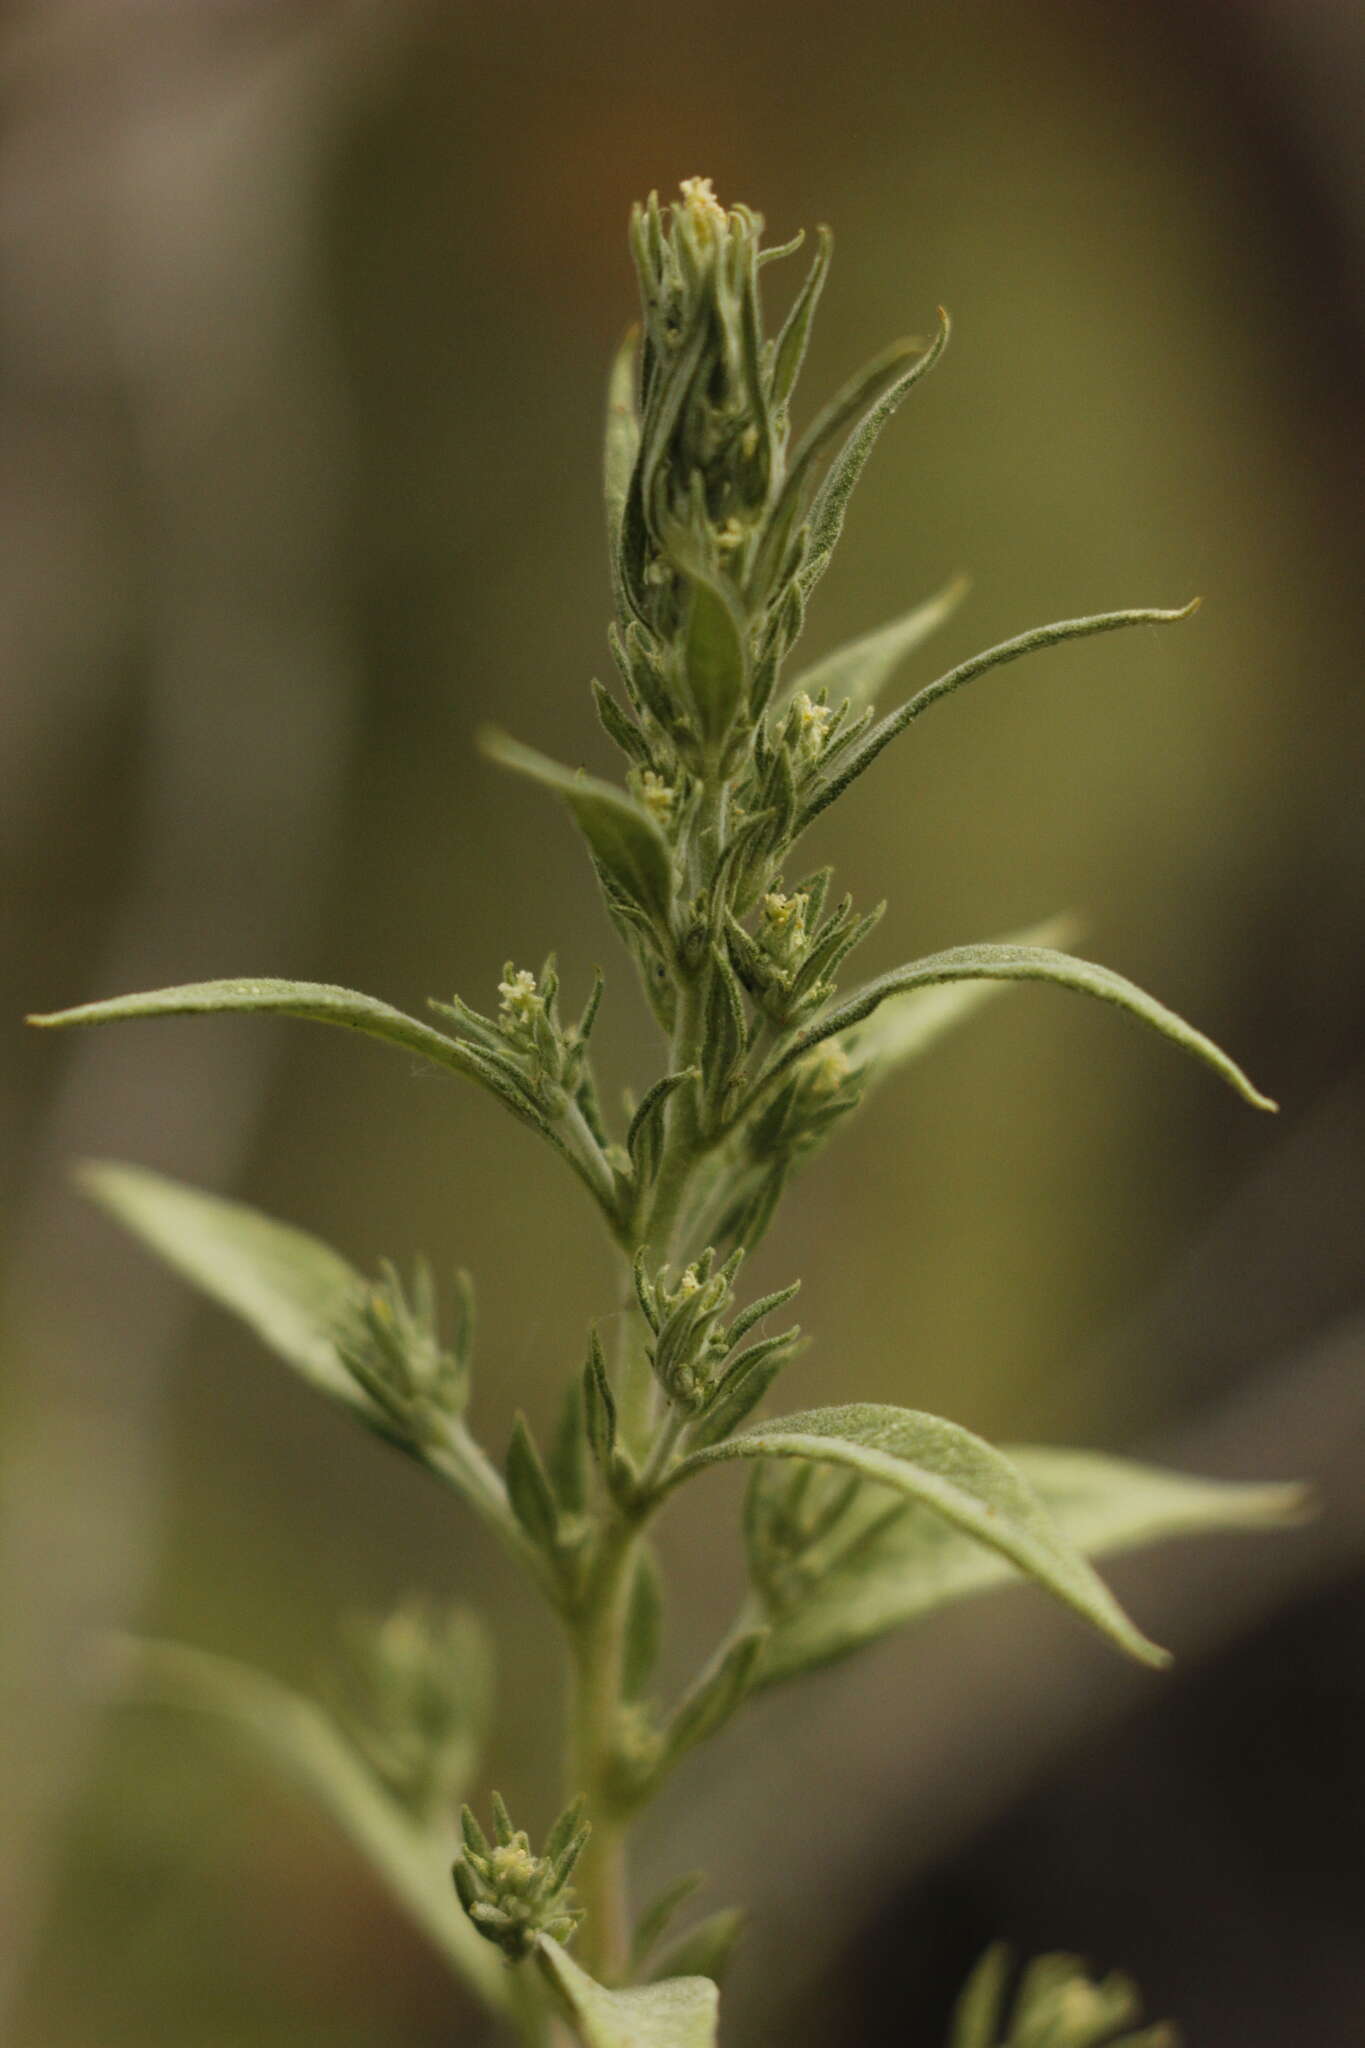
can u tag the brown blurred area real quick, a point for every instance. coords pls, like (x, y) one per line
(304, 312)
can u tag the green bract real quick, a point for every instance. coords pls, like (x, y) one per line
(721, 520)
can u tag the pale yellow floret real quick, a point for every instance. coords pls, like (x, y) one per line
(813, 722)
(784, 925)
(708, 215)
(521, 1000)
(656, 795)
(514, 1868)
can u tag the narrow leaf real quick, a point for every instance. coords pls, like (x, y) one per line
(899, 1032)
(599, 1404)
(313, 999)
(866, 393)
(720, 1690)
(831, 500)
(294, 1291)
(790, 351)
(644, 1139)
(861, 668)
(880, 1573)
(622, 835)
(529, 1489)
(880, 735)
(1019, 963)
(569, 1467)
(955, 1474)
(679, 2014)
(715, 658)
(298, 1296)
(300, 1742)
(622, 440)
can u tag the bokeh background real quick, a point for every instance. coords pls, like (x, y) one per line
(304, 311)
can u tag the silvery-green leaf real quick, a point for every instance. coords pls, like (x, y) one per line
(875, 391)
(625, 839)
(831, 500)
(324, 1004)
(878, 1574)
(294, 1291)
(717, 1694)
(1019, 963)
(860, 669)
(313, 999)
(297, 1295)
(899, 1031)
(790, 350)
(680, 2013)
(715, 658)
(299, 1741)
(851, 764)
(955, 1475)
(622, 439)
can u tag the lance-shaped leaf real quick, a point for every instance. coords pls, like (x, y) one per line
(1019, 963)
(831, 500)
(625, 839)
(851, 764)
(875, 391)
(622, 439)
(298, 1740)
(954, 1474)
(715, 658)
(860, 669)
(300, 1298)
(294, 1291)
(900, 1032)
(680, 2013)
(874, 1572)
(317, 1000)
(321, 1003)
(790, 350)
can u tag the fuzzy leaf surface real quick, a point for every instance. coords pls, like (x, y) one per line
(679, 2013)
(623, 836)
(716, 659)
(299, 1741)
(957, 1477)
(899, 1032)
(317, 1000)
(861, 668)
(295, 1293)
(1022, 963)
(293, 1290)
(622, 437)
(918, 1562)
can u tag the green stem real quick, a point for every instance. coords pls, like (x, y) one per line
(597, 1652)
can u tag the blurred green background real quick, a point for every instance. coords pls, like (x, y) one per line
(304, 316)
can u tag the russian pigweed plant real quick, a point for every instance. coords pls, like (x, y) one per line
(859, 1517)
